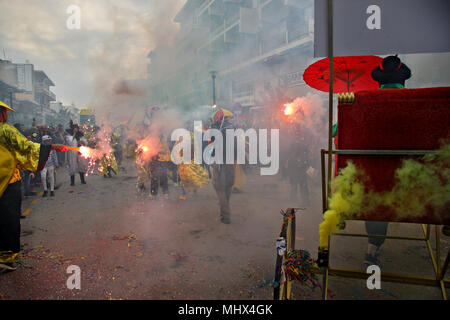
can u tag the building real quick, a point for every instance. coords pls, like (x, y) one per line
(255, 47)
(8, 82)
(44, 96)
(28, 91)
(26, 107)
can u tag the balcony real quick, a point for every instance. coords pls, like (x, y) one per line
(274, 37)
(40, 88)
(205, 5)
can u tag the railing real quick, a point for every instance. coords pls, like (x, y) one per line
(216, 31)
(204, 5)
(232, 20)
(297, 34)
(43, 89)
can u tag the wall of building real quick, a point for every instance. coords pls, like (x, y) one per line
(247, 42)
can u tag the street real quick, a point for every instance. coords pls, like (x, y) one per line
(131, 247)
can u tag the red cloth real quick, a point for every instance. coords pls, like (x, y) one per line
(392, 119)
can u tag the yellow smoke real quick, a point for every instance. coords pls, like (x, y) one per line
(420, 185)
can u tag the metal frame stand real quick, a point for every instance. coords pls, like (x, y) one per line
(326, 270)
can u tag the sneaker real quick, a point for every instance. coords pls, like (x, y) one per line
(237, 190)
(182, 197)
(25, 233)
(166, 196)
(225, 220)
(371, 260)
(52, 193)
(150, 196)
(176, 184)
(44, 194)
(5, 267)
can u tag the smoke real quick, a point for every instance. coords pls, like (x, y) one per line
(308, 111)
(421, 187)
(118, 65)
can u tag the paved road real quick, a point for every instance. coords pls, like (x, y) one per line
(130, 247)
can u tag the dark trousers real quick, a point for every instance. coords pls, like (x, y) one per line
(299, 182)
(26, 182)
(10, 211)
(223, 181)
(158, 178)
(379, 228)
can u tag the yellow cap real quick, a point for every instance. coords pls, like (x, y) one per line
(2, 104)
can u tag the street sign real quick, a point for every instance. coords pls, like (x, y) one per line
(365, 27)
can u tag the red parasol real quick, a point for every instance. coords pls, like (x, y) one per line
(350, 74)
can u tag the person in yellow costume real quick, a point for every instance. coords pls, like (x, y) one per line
(142, 170)
(107, 164)
(192, 175)
(16, 153)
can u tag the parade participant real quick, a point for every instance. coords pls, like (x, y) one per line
(27, 176)
(116, 144)
(173, 168)
(49, 168)
(192, 175)
(16, 153)
(298, 162)
(73, 135)
(108, 164)
(83, 163)
(391, 74)
(143, 170)
(159, 165)
(59, 139)
(223, 174)
(239, 174)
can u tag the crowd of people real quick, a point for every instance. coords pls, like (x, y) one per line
(72, 136)
(45, 149)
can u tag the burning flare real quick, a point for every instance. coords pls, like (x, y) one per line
(148, 147)
(86, 152)
(288, 110)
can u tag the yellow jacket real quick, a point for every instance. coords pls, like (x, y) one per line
(24, 153)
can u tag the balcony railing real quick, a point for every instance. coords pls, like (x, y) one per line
(297, 34)
(204, 5)
(44, 90)
(229, 21)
